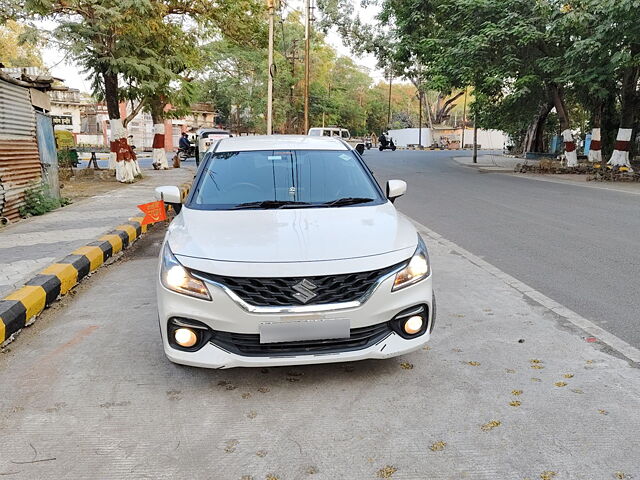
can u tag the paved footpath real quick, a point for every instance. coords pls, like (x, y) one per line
(30, 245)
(508, 388)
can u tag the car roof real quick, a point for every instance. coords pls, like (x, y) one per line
(279, 142)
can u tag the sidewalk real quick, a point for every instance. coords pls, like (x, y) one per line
(32, 244)
(493, 163)
(502, 164)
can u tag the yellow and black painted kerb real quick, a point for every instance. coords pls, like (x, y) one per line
(22, 306)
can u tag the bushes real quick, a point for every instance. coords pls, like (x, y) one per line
(38, 201)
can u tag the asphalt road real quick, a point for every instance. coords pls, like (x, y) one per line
(578, 245)
(506, 389)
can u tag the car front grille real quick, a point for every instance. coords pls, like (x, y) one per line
(249, 344)
(266, 292)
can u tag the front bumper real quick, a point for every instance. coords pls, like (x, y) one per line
(224, 314)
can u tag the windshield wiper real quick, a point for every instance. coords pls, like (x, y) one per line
(341, 202)
(265, 204)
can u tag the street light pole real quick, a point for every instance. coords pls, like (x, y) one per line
(270, 76)
(307, 61)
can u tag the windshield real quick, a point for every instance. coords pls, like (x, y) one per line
(284, 179)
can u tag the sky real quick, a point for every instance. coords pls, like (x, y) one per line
(64, 68)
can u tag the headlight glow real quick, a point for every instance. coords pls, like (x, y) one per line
(178, 279)
(417, 269)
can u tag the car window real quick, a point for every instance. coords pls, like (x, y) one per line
(345, 134)
(310, 176)
(315, 132)
(335, 133)
(326, 133)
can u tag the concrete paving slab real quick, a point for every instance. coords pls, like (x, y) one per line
(507, 389)
(27, 245)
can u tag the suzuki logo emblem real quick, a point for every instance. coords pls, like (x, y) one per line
(304, 291)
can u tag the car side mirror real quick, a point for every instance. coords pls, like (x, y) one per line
(360, 148)
(395, 189)
(170, 195)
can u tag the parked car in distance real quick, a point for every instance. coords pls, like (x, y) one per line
(287, 251)
(205, 137)
(329, 132)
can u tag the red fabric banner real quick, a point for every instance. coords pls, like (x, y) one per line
(153, 212)
(158, 140)
(570, 146)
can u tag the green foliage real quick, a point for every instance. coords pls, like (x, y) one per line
(38, 201)
(516, 54)
(19, 45)
(68, 158)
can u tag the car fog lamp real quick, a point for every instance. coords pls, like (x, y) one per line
(185, 337)
(413, 325)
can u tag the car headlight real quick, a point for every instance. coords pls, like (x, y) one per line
(178, 279)
(417, 269)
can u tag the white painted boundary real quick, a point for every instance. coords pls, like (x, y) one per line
(625, 349)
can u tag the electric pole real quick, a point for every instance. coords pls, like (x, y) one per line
(475, 138)
(464, 117)
(389, 110)
(307, 61)
(420, 119)
(270, 4)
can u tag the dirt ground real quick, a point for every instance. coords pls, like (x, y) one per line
(87, 183)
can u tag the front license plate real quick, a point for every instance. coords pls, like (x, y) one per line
(320, 329)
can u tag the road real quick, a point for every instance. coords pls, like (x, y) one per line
(578, 245)
(506, 389)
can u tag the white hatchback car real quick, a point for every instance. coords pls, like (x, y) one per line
(287, 252)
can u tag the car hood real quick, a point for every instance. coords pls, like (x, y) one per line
(292, 235)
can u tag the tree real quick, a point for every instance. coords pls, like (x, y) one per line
(20, 45)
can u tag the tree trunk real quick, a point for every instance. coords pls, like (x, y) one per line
(157, 116)
(628, 115)
(570, 152)
(595, 150)
(534, 139)
(121, 158)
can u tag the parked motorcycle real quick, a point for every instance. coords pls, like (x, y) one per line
(367, 143)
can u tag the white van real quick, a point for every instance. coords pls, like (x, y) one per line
(330, 132)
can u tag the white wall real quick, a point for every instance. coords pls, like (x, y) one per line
(487, 139)
(491, 139)
(409, 136)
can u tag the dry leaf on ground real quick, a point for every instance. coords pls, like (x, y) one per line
(387, 471)
(490, 425)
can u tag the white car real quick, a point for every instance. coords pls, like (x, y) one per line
(285, 252)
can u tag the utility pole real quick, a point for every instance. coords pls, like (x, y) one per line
(293, 58)
(307, 61)
(389, 110)
(464, 117)
(270, 77)
(475, 138)
(420, 119)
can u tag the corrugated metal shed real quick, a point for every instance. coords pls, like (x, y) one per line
(17, 118)
(19, 158)
(19, 168)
